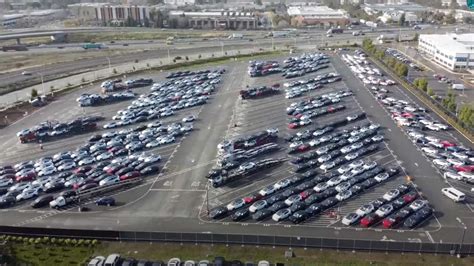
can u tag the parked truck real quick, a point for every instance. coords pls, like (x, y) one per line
(335, 30)
(62, 201)
(248, 142)
(244, 170)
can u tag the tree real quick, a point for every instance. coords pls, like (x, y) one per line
(449, 102)
(154, 2)
(466, 114)
(430, 92)
(258, 2)
(421, 83)
(34, 93)
(450, 19)
(401, 21)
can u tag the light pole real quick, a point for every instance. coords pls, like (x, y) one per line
(169, 57)
(222, 48)
(108, 60)
(463, 234)
(207, 195)
(42, 82)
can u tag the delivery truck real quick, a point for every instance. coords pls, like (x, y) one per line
(458, 86)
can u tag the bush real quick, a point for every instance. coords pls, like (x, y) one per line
(13, 238)
(54, 240)
(46, 240)
(38, 240)
(87, 242)
(34, 93)
(60, 241)
(83, 80)
(74, 242)
(31, 241)
(80, 242)
(95, 242)
(67, 241)
(114, 71)
(136, 60)
(430, 92)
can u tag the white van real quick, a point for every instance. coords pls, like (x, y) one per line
(453, 194)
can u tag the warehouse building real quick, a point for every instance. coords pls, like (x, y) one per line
(452, 51)
(317, 16)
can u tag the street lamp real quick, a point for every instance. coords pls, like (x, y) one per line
(207, 195)
(222, 48)
(42, 82)
(463, 234)
(108, 60)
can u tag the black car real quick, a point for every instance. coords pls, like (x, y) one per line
(240, 214)
(398, 203)
(298, 217)
(42, 201)
(56, 186)
(369, 183)
(329, 192)
(262, 214)
(142, 166)
(305, 185)
(355, 189)
(125, 170)
(310, 174)
(314, 209)
(403, 188)
(418, 217)
(152, 169)
(277, 206)
(68, 193)
(289, 192)
(316, 197)
(378, 202)
(275, 198)
(3, 191)
(7, 201)
(217, 213)
(328, 203)
(298, 206)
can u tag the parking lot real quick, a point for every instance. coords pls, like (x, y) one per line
(181, 193)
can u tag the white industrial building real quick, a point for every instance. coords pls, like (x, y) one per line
(452, 51)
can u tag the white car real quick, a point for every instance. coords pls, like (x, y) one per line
(417, 204)
(351, 156)
(347, 175)
(358, 163)
(327, 165)
(258, 205)
(441, 163)
(104, 156)
(453, 175)
(153, 144)
(467, 175)
(111, 125)
(86, 161)
(350, 218)
(390, 195)
(429, 150)
(167, 140)
(296, 144)
(5, 182)
(343, 186)
(113, 179)
(344, 195)
(247, 166)
(235, 204)
(433, 127)
(282, 184)
(381, 177)
(441, 126)
(460, 156)
(432, 139)
(47, 171)
(18, 186)
(365, 209)
(321, 187)
(281, 214)
(358, 170)
(28, 194)
(384, 210)
(189, 118)
(267, 190)
(369, 165)
(455, 162)
(314, 142)
(292, 199)
(152, 159)
(334, 181)
(67, 166)
(343, 169)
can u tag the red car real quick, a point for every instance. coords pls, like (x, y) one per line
(464, 168)
(293, 125)
(130, 175)
(410, 196)
(83, 169)
(407, 115)
(26, 177)
(305, 194)
(395, 114)
(396, 218)
(447, 144)
(298, 115)
(113, 169)
(369, 220)
(252, 198)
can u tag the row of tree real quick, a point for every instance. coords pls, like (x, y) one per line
(398, 67)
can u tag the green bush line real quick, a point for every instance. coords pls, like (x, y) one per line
(423, 98)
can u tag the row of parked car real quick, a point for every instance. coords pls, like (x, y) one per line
(87, 99)
(263, 68)
(305, 86)
(168, 97)
(456, 161)
(396, 208)
(50, 130)
(77, 180)
(402, 58)
(304, 64)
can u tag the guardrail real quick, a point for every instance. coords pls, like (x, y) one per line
(241, 239)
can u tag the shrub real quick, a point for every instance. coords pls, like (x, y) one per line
(87, 242)
(67, 241)
(31, 241)
(95, 242)
(136, 60)
(80, 242)
(74, 242)
(34, 93)
(54, 240)
(114, 71)
(46, 240)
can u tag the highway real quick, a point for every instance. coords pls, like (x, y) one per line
(156, 48)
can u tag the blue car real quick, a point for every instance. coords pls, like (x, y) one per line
(109, 201)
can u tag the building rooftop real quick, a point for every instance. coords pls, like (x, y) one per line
(403, 7)
(454, 43)
(314, 11)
